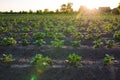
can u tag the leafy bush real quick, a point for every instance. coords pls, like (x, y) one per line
(108, 59)
(57, 43)
(8, 41)
(117, 35)
(39, 42)
(7, 58)
(38, 35)
(24, 42)
(74, 59)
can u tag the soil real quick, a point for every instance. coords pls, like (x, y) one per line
(91, 68)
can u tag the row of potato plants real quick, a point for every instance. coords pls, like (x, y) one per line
(22, 27)
(58, 43)
(42, 62)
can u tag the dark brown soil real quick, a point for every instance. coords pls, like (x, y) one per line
(91, 68)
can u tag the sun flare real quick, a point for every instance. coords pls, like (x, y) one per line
(18, 5)
(91, 4)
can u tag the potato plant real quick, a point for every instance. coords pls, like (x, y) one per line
(74, 59)
(89, 36)
(7, 58)
(76, 43)
(117, 35)
(24, 42)
(39, 35)
(8, 41)
(57, 43)
(97, 43)
(111, 43)
(66, 27)
(39, 42)
(108, 60)
(40, 61)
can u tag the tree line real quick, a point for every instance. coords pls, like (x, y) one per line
(67, 8)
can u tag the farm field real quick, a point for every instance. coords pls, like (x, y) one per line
(94, 41)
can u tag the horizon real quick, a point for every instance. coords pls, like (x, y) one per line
(26, 5)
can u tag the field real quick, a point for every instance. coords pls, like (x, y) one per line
(94, 38)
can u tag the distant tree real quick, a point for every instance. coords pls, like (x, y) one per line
(46, 10)
(11, 11)
(39, 11)
(63, 8)
(23, 12)
(51, 12)
(104, 10)
(31, 12)
(57, 11)
(69, 7)
(115, 11)
(118, 7)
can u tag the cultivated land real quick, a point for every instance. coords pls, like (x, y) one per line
(57, 36)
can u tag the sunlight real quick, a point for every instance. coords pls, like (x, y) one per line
(91, 4)
(17, 5)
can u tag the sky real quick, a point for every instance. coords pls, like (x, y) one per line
(26, 5)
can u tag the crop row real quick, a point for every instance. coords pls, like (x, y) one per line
(72, 59)
(60, 29)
